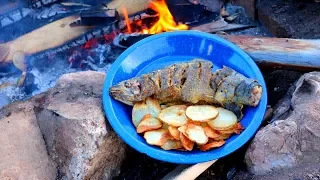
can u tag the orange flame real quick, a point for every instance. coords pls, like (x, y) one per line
(125, 13)
(165, 22)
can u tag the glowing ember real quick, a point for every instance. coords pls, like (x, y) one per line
(165, 22)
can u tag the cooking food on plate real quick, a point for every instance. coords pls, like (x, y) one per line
(185, 106)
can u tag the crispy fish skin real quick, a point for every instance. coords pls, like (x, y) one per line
(236, 88)
(191, 82)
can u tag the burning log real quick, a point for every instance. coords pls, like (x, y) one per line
(294, 54)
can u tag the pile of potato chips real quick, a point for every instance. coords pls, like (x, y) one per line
(184, 127)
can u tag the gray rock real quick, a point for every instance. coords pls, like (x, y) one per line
(211, 5)
(23, 151)
(74, 127)
(4, 100)
(293, 140)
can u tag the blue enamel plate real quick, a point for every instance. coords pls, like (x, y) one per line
(161, 50)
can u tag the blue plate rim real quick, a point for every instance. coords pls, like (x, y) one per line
(166, 156)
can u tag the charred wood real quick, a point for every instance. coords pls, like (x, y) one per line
(40, 3)
(96, 18)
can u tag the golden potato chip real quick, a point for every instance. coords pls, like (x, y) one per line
(174, 132)
(186, 142)
(140, 109)
(225, 120)
(148, 123)
(171, 144)
(157, 137)
(202, 113)
(174, 115)
(212, 145)
(237, 128)
(196, 134)
(183, 129)
(222, 137)
(211, 133)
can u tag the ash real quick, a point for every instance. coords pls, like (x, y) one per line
(44, 73)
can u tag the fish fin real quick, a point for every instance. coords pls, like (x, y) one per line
(235, 108)
(4, 51)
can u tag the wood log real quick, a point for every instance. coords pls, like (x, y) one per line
(293, 54)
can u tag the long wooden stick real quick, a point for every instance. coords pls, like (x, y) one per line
(185, 172)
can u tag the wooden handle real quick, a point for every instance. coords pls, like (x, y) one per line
(185, 172)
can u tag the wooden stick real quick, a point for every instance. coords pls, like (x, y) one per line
(185, 172)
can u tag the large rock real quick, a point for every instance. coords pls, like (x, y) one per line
(294, 140)
(74, 127)
(23, 153)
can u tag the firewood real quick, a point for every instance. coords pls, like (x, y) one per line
(219, 25)
(132, 6)
(293, 54)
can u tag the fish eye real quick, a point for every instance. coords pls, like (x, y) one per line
(127, 84)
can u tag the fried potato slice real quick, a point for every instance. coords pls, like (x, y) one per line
(225, 120)
(212, 145)
(172, 144)
(237, 129)
(196, 133)
(174, 132)
(157, 137)
(211, 133)
(174, 115)
(148, 123)
(222, 137)
(186, 142)
(202, 113)
(183, 129)
(140, 109)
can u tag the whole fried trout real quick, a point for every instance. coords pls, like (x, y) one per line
(191, 82)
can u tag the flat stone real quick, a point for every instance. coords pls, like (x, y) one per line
(295, 19)
(23, 153)
(293, 140)
(78, 137)
(248, 5)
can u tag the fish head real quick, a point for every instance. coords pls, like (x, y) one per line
(126, 92)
